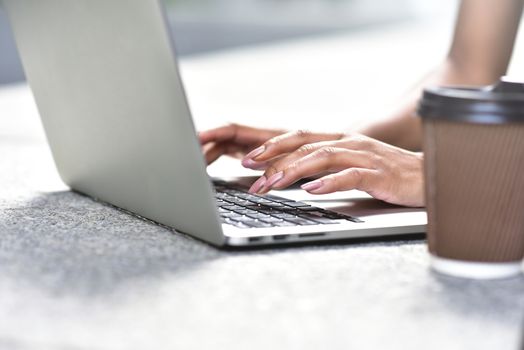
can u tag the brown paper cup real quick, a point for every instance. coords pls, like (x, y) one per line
(474, 179)
(475, 197)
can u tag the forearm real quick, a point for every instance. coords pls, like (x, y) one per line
(479, 54)
(402, 128)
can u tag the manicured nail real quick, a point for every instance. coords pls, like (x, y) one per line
(250, 163)
(313, 185)
(255, 153)
(260, 166)
(273, 179)
(257, 185)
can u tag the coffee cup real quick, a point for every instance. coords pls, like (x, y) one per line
(474, 178)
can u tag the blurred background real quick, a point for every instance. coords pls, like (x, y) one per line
(206, 26)
(314, 64)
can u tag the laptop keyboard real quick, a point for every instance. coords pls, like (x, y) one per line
(239, 208)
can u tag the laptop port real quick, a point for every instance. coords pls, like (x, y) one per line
(280, 237)
(309, 235)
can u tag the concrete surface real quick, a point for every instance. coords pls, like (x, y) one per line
(75, 274)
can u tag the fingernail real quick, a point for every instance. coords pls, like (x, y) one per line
(257, 185)
(250, 163)
(260, 166)
(313, 185)
(273, 179)
(255, 153)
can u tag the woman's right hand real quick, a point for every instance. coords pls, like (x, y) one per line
(234, 140)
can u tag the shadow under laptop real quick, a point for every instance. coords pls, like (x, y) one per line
(66, 242)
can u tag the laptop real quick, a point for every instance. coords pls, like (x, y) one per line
(105, 79)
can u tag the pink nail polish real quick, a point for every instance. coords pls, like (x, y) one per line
(254, 165)
(257, 185)
(260, 166)
(255, 153)
(249, 163)
(274, 179)
(313, 185)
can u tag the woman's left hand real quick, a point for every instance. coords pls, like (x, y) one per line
(386, 172)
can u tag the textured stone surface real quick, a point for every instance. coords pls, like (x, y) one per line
(76, 274)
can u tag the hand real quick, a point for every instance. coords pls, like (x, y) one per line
(358, 162)
(234, 140)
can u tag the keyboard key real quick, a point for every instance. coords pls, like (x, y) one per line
(284, 224)
(271, 219)
(325, 221)
(232, 207)
(241, 210)
(259, 200)
(235, 223)
(310, 208)
(246, 211)
(257, 224)
(242, 202)
(302, 221)
(268, 211)
(275, 205)
(231, 215)
(254, 206)
(244, 218)
(317, 213)
(246, 196)
(259, 216)
(298, 205)
(284, 216)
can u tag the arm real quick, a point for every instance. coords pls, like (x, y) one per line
(480, 53)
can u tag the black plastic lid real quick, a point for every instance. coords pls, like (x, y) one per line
(495, 104)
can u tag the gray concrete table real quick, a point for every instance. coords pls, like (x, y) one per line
(76, 274)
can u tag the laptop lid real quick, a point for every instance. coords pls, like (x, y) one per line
(113, 107)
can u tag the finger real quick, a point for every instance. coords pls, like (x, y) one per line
(345, 180)
(236, 133)
(326, 159)
(288, 143)
(251, 164)
(221, 134)
(214, 152)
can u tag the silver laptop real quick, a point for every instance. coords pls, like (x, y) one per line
(106, 82)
